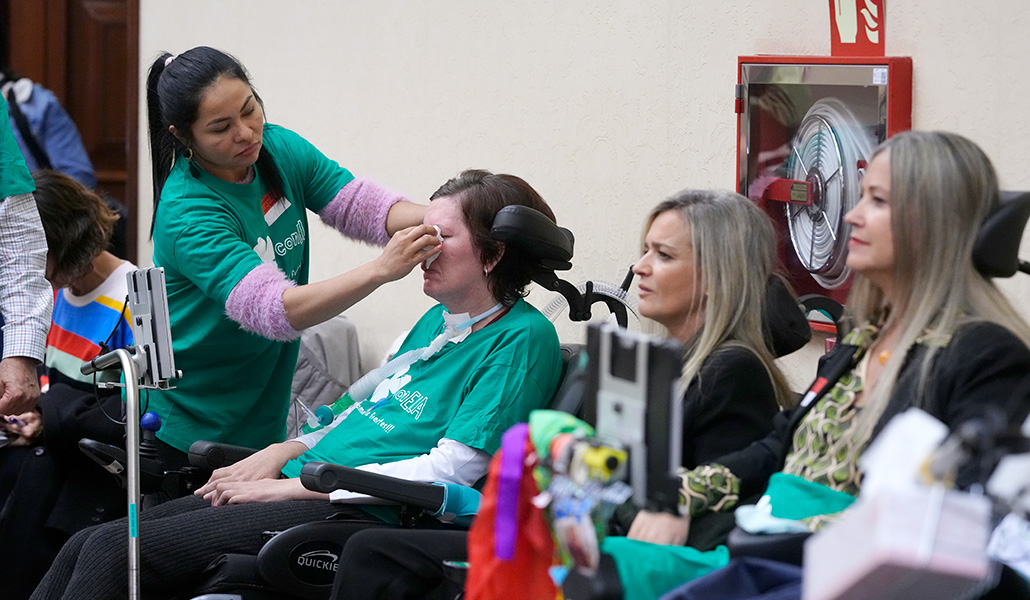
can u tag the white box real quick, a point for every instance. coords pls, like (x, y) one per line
(914, 544)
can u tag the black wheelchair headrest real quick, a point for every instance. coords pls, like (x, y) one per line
(533, 233)
(996, 250)
(786, 325)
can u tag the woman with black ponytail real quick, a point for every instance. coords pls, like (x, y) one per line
(230, 229)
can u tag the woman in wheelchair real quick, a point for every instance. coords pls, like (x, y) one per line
(930, 331)
(439, 418)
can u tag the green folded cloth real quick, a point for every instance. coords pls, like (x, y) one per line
(792, 497)
(649, 570)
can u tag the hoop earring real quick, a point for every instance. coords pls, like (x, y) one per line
(188, 154)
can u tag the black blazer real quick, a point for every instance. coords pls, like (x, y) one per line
(728, 405)
(984, 368)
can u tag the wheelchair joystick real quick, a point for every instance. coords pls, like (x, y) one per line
(149, 423)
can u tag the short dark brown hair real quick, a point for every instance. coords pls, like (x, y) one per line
(77, 222)
(481, 195)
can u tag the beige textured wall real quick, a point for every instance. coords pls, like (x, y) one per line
(604, 106)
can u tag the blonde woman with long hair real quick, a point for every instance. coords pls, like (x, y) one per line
(705, 275)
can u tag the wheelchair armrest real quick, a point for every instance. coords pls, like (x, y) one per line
(113, 460)
(325, 477)
(212, 455)
(783, 547)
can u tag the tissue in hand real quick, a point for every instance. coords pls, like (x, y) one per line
(429, 261)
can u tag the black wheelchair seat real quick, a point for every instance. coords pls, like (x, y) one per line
(783, 547)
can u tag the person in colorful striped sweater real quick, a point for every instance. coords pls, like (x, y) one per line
(89, 293)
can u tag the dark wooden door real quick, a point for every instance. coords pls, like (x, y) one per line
(85, 51)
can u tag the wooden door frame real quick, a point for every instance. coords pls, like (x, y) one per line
(132, 130)
(42, 59)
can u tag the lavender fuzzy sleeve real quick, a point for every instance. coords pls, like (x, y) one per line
(256, 303)
(359, 211)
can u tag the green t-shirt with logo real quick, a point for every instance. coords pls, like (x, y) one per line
(14, 175)
(470, 392)
(209, 233)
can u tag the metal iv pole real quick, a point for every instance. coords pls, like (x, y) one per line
(152, 362)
